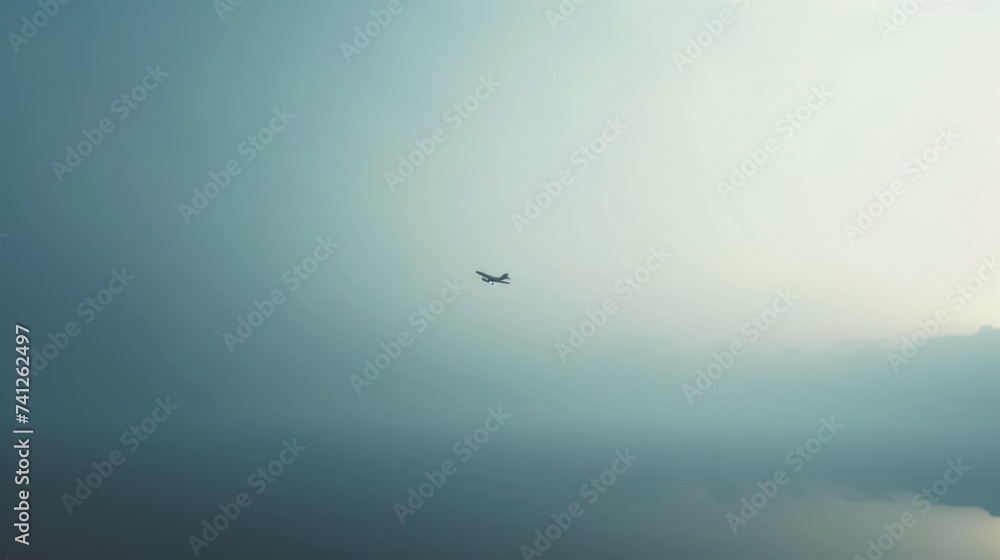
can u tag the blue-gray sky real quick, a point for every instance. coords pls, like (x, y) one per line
(595, 156)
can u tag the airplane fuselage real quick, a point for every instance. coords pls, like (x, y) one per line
(493, 279)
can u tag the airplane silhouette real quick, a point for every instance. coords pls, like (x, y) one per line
(491, 279)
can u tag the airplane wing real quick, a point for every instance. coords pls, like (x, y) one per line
(501, 282)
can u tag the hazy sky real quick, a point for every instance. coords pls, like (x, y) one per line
(839, 97)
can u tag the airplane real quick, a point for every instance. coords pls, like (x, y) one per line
(491, 279)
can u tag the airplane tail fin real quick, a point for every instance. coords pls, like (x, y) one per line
(505, 276)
